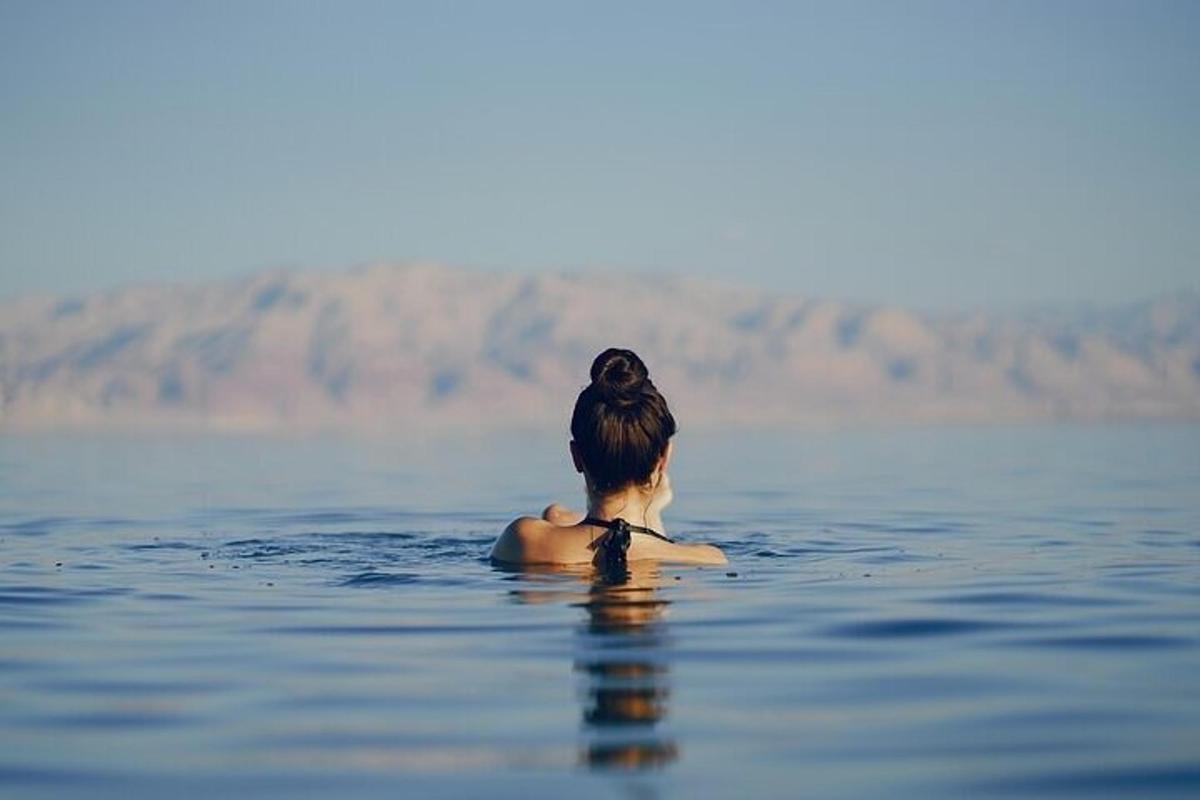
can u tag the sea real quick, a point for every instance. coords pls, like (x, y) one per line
(941, 612)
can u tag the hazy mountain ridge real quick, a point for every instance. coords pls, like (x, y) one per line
(403, 347)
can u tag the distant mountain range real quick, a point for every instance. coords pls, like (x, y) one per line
(424, 347)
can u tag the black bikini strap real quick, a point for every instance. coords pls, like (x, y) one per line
(618, 523)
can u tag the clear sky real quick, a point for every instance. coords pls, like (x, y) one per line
(930, 154)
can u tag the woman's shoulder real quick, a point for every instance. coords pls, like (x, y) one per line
(677, 552)
(528, 540)
(514, 543)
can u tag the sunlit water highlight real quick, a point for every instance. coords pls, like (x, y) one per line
(956, 612)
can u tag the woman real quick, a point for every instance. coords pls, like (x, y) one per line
(621, 441)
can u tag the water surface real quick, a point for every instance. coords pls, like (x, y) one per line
(936, 613)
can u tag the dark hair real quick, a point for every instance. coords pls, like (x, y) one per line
(621, 424)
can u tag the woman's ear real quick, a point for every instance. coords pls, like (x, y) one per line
(575, 457)
(660, 469)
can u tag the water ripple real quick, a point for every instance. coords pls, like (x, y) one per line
(906, 628)
(381, 579)
(1181, 780)
(1116, 642)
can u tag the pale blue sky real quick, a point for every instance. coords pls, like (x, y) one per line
(931, 154)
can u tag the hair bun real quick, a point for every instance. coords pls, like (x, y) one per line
(619, 376)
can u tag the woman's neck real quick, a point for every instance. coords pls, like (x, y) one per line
(633, 506)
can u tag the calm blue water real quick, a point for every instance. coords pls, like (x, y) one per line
(930, 613)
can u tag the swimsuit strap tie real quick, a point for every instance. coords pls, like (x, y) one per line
(622, 529)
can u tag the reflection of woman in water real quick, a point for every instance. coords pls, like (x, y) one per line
(621, 653)
(627, 686)
(621, 441)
